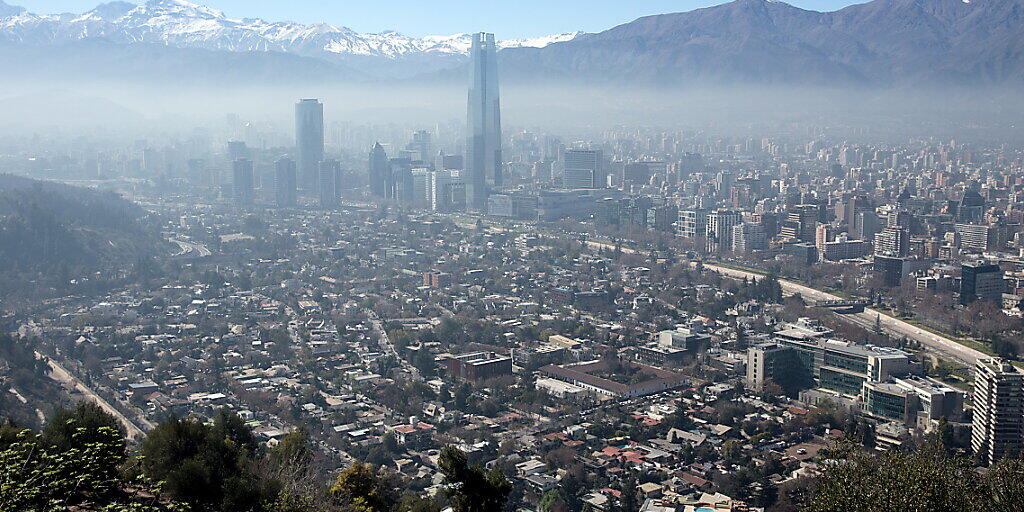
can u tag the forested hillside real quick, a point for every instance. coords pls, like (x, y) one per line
(52, 236)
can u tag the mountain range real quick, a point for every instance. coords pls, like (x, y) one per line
(184, 25)
(753, 42)
(880, 43)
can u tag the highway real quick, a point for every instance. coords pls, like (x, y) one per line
(191, 249)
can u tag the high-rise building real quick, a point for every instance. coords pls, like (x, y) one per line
(400, 182)
(693, 223)
(421, 188)
(719, 231)
(285, 184)
(484, 122)
(421, 145)
(748, 237)
(329, 181)
(980, 281)
(997, 427)
(801, 223)
(242, 181)
(447, 190)
(976, 237)
(865, 225)
(309, 142)
(583, 169)
(971, 207)
(893, 242)
(379, 172)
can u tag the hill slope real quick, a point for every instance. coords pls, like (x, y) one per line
(54, 233)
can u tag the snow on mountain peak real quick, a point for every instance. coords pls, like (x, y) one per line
(185, 24)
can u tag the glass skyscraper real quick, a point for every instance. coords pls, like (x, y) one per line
(483, 123)
(309, 142)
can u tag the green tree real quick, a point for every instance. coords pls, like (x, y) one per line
(38, 476)
(361, 488)
(82, 425)
(927, 480)
(553, 501)
(470, 488)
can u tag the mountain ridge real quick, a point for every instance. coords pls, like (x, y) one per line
(182, 24)
(882, 42)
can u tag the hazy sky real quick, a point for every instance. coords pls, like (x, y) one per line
(506, 18)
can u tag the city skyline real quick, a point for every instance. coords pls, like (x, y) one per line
(748, 258)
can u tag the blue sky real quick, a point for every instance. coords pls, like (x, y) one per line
(506, 18)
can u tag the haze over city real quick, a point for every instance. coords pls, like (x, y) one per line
(687, 256)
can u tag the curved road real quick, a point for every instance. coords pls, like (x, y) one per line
(945, 346)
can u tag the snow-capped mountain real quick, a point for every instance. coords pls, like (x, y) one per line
(182, 24)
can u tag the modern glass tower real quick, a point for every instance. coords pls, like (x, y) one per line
(379, 172)
(483, 123)
(309, 142)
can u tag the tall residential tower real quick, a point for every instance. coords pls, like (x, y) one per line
(483, 123)
(998, 398)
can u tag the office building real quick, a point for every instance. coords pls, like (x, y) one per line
(285, 184)
(400, 182)
(583, 169)
(980, 281)
(328, 186)
(421, 146)
(892, 242)
(976, 238)
(447, 191)
(801, 356)
(719, 229)
(865, 225)
(484, 122)
(971, 207)
(842, 248)
(242, 181)
(693, 223)
(801, 223)
(379, 172)
(478, 366)
(748, 237)
(918, 402)
(309, 142)
(997, 426)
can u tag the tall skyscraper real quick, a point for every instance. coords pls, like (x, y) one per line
(997, 427)
(400, 183)
(285, 183)
(309, 142)
(242, 181)
(484, 122)
(379, 172)
(329, 180)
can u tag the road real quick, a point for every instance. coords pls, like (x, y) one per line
(59, 373)
(388, 348)
(191, 249)
(944, 346)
